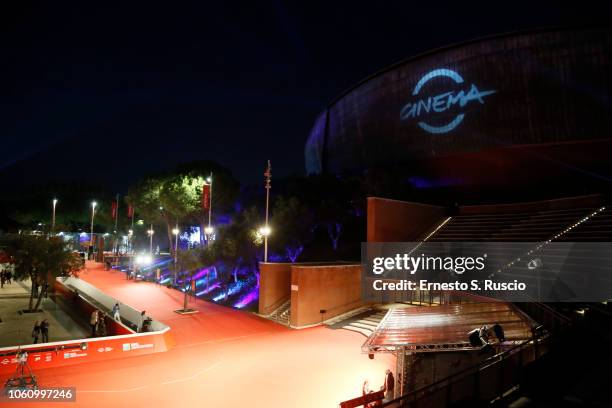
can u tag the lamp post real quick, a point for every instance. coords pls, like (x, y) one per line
(151, 232)
(176, 232)
(266, 230)
(53, 216)
(130, 237)
(208, 230)
(91, 236)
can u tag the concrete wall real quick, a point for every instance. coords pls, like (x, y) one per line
(333, 288)
(85, 308)
(401, 221)
(274, 286)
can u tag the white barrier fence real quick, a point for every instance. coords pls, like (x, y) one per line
(128, 312)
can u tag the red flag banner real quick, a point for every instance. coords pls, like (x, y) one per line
(130, 211)
(114, 210)
(205, 196)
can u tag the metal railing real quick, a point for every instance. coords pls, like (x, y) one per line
(492, 378)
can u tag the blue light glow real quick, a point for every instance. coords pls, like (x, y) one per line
(441, 102)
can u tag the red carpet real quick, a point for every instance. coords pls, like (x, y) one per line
(223, 358)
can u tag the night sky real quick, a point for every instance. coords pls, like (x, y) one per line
(110, 93)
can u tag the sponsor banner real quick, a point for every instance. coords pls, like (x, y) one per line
(59, 354)
(517, 271)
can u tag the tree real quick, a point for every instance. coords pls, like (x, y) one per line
(180, 197)
(176, 197)
(293, 225)
(333, 200)
(189, 262)
(236, 247)
(41, 260)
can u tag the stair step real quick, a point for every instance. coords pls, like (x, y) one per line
(363, 325)
(365, 332)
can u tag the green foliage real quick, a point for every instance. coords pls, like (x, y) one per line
(235, 245)
(41, 260)
(181, 196)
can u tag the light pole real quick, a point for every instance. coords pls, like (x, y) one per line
(209, 229)
(53, 216)
(130, 237)
(176, 231)
(266, 230)
(91, 236)
(151, 232)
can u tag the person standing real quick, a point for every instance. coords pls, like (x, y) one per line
(116, 312)
(141, 321)
(93, 322)
(389, 385)
(44, 330)
(36, 331)
(101, 330)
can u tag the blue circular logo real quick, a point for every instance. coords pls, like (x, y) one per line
(424, 106)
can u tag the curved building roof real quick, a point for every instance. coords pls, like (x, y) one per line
(498, 95)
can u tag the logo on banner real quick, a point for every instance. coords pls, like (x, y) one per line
(424, 107)
(135, 346)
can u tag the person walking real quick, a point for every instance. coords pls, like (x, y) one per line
(93, 322)
(2, 275)
(116, 312)
(44, 330)
(36, 331)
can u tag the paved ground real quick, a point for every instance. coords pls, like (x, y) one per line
(223, 358)
(16, 327)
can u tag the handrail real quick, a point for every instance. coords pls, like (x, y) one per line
(538, 336)
(559, 322)
(466, 371)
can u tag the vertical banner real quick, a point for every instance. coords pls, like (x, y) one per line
(114, 210)
(130, 211)
(205, 196)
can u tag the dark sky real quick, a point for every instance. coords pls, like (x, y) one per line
(113, 92)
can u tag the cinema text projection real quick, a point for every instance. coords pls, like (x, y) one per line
(427, 106)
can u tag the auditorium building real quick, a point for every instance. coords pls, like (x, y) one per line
(502, 139)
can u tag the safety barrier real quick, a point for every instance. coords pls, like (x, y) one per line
(127, 343)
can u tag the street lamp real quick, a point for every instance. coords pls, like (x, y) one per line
(151, 232)
(176, 232)
(91, 237)
(208, 230)
(53, 216)
(264, 232)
